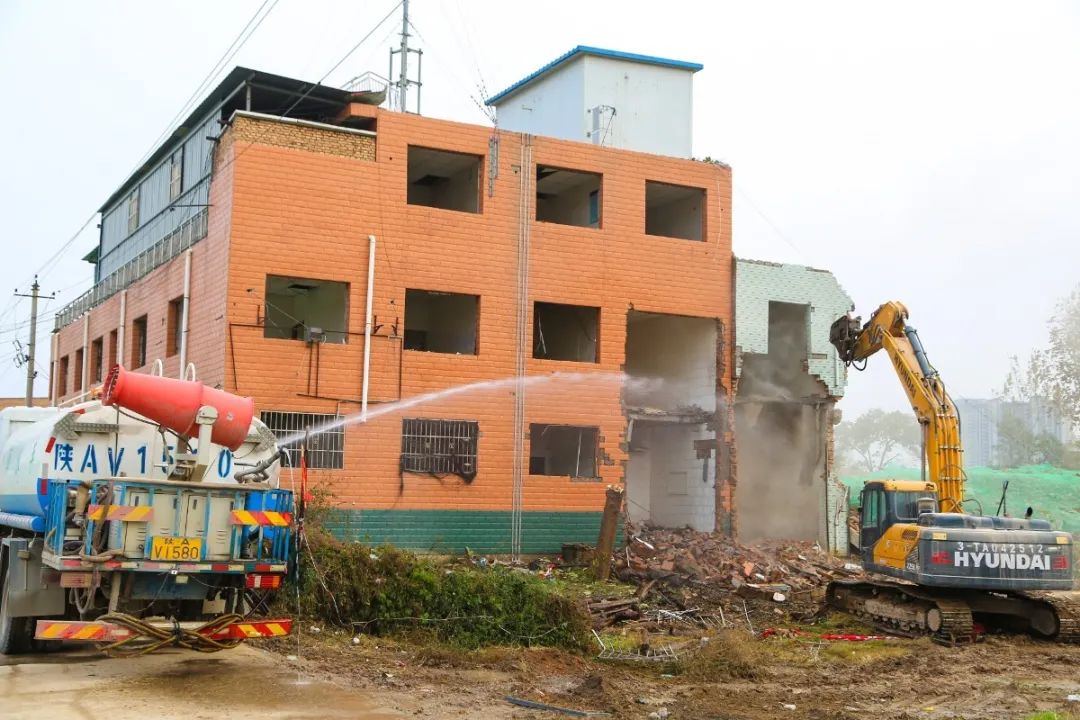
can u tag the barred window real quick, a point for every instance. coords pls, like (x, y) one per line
(326, 449)
(439, 447)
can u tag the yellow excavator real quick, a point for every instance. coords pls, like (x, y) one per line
(953, 574)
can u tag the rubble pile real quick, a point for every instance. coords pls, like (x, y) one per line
(685, 566)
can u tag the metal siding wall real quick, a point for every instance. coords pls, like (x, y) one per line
(154, 221)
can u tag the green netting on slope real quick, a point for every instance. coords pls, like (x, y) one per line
(1053, 492)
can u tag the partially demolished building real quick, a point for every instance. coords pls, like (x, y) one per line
(560, 291)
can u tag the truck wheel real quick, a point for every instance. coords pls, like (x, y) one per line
(16, 633)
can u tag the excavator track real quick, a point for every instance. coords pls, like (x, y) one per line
(949, 616)
(904, 609)
(1066, 608)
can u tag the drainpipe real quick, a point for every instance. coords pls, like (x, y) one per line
(84, 371)
(367, 326)
(120, 330)
(184, 314)
(55, 367)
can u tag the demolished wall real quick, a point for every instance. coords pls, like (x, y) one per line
(787, 379)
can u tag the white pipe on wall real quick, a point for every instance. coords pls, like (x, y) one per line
(184, 314)
(120, 331)
(367, 326)
(84, 371)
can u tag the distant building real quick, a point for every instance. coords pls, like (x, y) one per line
(979, 420)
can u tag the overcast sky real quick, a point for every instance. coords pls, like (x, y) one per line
(922, 151)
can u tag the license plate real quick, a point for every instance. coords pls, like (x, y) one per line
(172, 549)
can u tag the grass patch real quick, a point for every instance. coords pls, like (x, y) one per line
(384, 590)
(731, 654)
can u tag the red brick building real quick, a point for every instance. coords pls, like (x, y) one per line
(242, 249)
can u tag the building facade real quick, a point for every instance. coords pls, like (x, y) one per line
(535, 294)
(981, 418)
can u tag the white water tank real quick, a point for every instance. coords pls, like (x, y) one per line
(606, 97)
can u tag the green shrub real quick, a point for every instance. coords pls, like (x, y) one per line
(384, 590)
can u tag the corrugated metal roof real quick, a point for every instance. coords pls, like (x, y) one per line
(597, 52)
(224, 89)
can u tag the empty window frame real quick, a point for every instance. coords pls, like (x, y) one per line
(326, 444)
(112, 349)
(439, 447)
(97, 361)
(674, 211)
(443, 179)
(77, 378)
(306, 309)
(138, 342)
(133, 211)
(175, 327)
(62, 377)
(176, 175)
(566, 332)
(563, 450)
(441, 322)
(567, 197)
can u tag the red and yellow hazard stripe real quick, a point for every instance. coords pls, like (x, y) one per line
(108, 632)
(127, 513)
(261, 517)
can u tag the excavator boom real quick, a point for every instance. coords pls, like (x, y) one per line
(887, 330)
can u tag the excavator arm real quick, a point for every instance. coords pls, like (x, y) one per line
(887, 330)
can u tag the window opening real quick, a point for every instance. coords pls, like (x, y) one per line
(444, 179)
(96, 360)
(441, 322)
(138, 342)
(567, 197)
(563, 450)
(133, 211)
(306, 309)
(674, 211)
(176, 326)
(78, 370)
(566, 332)
(176, 175)
(439, 447)
(326, 448)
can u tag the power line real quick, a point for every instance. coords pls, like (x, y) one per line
(318, 83)
(234, 47)
(215, 70)
(769, 222)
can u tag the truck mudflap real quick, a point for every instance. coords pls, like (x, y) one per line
(119, 635)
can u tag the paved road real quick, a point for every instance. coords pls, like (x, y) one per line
(239, 683)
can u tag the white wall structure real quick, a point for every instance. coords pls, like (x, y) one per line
(757, 283)
(605, 97)
(789, 378)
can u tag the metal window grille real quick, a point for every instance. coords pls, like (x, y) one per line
(326, 448)
(439, 447)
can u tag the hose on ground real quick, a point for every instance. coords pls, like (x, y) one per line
(147, 638)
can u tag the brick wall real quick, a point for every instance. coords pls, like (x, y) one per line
(151, 296)
(300, 201)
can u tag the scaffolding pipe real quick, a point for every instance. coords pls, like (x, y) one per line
(367, 327)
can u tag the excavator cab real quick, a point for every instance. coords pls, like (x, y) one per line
(885, 503)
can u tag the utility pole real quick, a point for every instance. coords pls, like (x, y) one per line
(32, 345)
(403, 82)
(403, 79)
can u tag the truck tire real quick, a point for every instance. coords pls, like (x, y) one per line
(16, 633)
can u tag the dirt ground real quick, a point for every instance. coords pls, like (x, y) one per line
(730, 675)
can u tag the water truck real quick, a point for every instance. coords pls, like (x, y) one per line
(150, 517)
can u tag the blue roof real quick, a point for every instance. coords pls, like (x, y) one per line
(599, 52)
